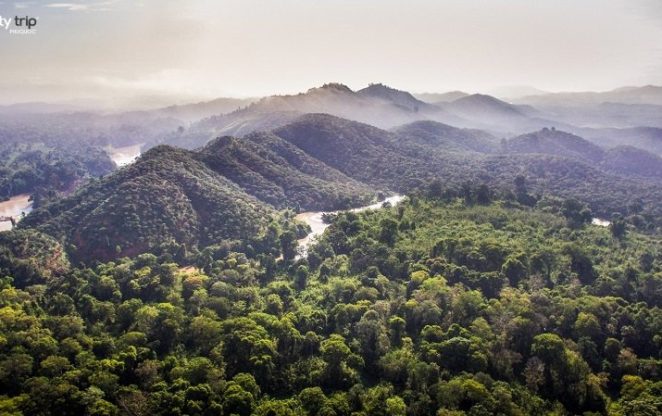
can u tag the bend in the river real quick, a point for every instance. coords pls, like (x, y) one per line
(317, 225)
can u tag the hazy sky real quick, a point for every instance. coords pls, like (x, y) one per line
(207, 48)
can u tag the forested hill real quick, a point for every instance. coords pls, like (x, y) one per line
(322, 162)
(45, 171)
(226, 191)
(413, 155)
(281, 174)
(621, 160)
(166, 196)
(440, 306)
(447, 138)
(555, 142)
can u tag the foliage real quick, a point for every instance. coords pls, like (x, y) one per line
(432, 307)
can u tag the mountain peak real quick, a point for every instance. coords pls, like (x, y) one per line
(384, 91)
(481, 98)
(444, 97)
(481, 102)
(378, 87)
(555, 142)
(332, 86)
(400, 98)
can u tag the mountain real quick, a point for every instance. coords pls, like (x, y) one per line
(399, 98)
(480, 106)
(282, 175)
(646, 138)
(445, 97)
(227, 190)
(631, 161)
(204, 109)
(511, 92)
(627, 107)
(38, 108)
(167, 195)
(231, 188)
(377, 105)
(648, 94)
(447, 138)
(626, 161)
(555, 142)
(489, 113)
(555, 163)
(605, 115)
(360, 151)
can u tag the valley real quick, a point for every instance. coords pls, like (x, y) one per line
(331, 208)
(188, 262)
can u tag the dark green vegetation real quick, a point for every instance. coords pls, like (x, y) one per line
(415, 154)
(173, 286)
(281, 174)
(432, 307)
(227, 191)
(167, 196)
(45, 172)
(621, 160)
(447, 138)
(229, 188)
(51, 154)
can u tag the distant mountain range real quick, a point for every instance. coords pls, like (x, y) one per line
(377, 105)
(221, 170)
(193, 125)
(649, 94)
(445, 97)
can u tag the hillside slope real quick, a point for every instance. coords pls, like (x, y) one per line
(166, 196)
(447, 138)
(555, 142)
(282, 175)
(230, 189)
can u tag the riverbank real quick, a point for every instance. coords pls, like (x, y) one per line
(318, 226)
(15, 207)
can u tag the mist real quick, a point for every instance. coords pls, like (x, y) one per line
(143, 54)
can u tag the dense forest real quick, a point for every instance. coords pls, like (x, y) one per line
(231, 187)
(49, 155)
(442, 305)
(48, 172)
(520, 275)
(227, 191)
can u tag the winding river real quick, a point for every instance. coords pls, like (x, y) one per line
(317, 225)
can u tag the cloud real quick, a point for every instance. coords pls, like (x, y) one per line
(68, 6)
(77, 7)
(23, 4)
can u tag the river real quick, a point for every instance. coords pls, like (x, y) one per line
(14, 207)
(19, 204)
(125, 155)
(317, 225)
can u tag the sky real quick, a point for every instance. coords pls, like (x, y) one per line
(202, 49)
